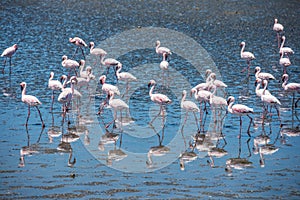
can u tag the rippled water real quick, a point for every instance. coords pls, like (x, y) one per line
(42, 29)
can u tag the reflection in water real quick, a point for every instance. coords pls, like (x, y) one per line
(116, 154)
(159, 150)
(29, 149)
(107, 138)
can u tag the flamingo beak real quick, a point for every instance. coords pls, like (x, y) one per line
(228, 101)
(149, 84)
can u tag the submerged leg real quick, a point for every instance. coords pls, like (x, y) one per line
(43, 125)
(28, 115)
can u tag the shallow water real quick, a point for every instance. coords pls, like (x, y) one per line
(127, 30)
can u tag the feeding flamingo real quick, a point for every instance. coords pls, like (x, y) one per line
(284, 62)
(108, 87)
(285, 50)
(263, 75)
(8, 53)
(161, 50)
(70, 64)
(158, 98)
(278, 28)
(30, 101)
(291, 87)
(79, 43)
(246, 55)
(240, 110)
(53, 85)
(189, 106)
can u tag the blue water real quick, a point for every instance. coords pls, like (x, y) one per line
(42, 30)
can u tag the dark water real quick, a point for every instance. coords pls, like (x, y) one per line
(42, 30)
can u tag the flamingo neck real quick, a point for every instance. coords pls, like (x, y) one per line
(102, 60)
(229, 108)
(257, 87)
(151, 90)
(183, 98)
(266, 85)
(118, 71)
(242, 50)
(256, 74)
(284, 82)
(282, 44)
(64, 84)
(24, 90)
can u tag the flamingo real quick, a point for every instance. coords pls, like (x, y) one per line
(53, 85)
(70, 64)
(158, 98)
(79, 43)
(161, 50)
(284, 62)
(109, 62)
(263, 75)
(30, 101)
(285, 50)
(108, 87)
(201, 96)
(66, 95)
(291, 87)
(212, 78)
(269, 99)
(189, 106)
(96, 51)
(216, 101)
(116, 105)
(246, 55)
(76, 93)
(125, 76)
(259, 91)
(278, 28)
(240, 110)
(88, 70)
(164, 64)
(8, 53)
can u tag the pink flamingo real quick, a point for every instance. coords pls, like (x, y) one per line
(240, 110)
(263, 75)
(158, 98)
(116, 105)
(109, 62)
(246, 55)
(278, 28)
(284, 62)
(66, 95)
(125, 76)
(79, 43)
(53, 85)
(30, 101)
(8, 53)
(87, 72)
(161, 50)
(70, 64)
(285, 50)
(96, 51)
(108, 87)
(189, 106)
(291, 88)
(259, 91)
(269, 99)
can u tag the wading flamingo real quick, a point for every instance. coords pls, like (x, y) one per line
(8, 53)
(161, 50)
(108, 87)
(240, 110)
(69, 64)
(284, 62)
(65, 97)
(79, 43)
(189, 106)
(263, 75)
(285, 50)
(30, 101)
(53, 85)
(278, 28)
(291, 88)
(158, 98)
(246, 55)
(269, 99)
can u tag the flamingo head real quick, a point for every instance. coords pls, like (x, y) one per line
(51, 74)
(207, 72)
(285, 77)
(23, 84)
(242, 44)
(157, 43)
(73, 80)
(102, 79)
(64, 57)
(81, 62)
(193, 90)
(258, 80)
(276, 20)
(213, 76)
(92, 44)
(183, 92)
(257, 69)
(63, 77)
(72, 40)
(151, 82)
(15, 46)
(230, 99)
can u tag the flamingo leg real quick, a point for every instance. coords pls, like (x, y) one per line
(52, 97)
(248, 131)
(156, 116)
(82, 53)
(43, 125)
(10, 66)
(196, 120)
(28, 115)
(297, 103)
(75, 52)
(240, 127)
(293, 101)
(185, 118)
